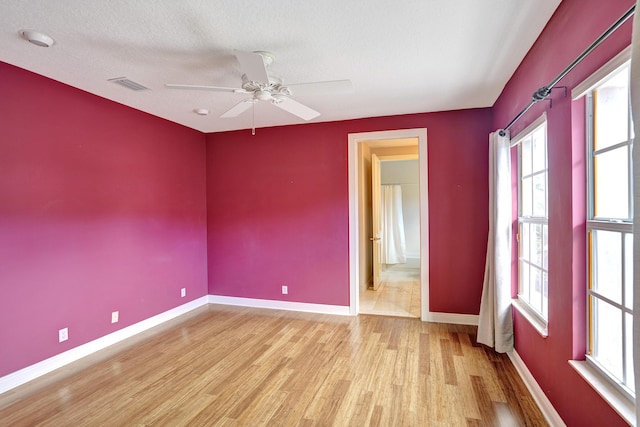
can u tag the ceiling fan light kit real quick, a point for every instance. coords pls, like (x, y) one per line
(262, 85)
(262, 94)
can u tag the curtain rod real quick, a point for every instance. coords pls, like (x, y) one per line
(542, 93)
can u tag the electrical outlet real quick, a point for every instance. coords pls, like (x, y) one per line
(285, 289)
(183, 292)
(63, 334)
(114, 317)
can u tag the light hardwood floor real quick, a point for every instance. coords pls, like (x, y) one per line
(237, 366)
(398, 294)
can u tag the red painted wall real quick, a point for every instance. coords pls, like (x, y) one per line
(102, 208)
(574, 26)
(278, 209)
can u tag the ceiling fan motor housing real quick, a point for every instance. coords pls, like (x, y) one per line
(250, 85)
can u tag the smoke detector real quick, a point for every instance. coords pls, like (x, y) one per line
(37, 38)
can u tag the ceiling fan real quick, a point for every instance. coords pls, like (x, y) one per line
(262, 85)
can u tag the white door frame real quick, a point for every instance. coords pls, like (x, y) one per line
(354, 249)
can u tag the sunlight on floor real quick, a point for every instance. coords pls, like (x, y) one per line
(398, 294)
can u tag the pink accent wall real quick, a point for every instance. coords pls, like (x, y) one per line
(278, 209)
(102, 208)
(573, 27)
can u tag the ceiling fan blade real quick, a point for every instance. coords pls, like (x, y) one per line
(252, 66)
(199, 87)
(319, 88)
(238, 109)
(296, 108)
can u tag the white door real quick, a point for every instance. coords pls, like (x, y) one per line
(376, 228)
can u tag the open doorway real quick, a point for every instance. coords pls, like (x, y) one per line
(394, 213)
(402, 283)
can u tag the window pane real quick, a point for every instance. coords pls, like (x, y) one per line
(536, 289)
(524, 280)
(525, 241)
(540, 195)
(611, 184)
(526, 196)
(536, 244)
(608, 264)
(545, 246)
(538, 150)
(611, 111)
(607, 347)
(525, 163)
(629, 351)
(545, 295)
(628, 270)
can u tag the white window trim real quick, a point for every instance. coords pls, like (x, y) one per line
(618, 400)
(596, 78)
(538, 323)
(520, 136)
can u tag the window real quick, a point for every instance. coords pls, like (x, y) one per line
(609, 229)
(533, 298)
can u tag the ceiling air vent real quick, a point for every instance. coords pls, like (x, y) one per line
(123, 81)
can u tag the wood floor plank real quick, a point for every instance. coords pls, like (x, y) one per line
(376, 416)
(456, 347)
(466, 394)
(446, 353)
(425, 361)
(412, 379)
(249, 367)
(483, 400)
(362, 410)
(477, 364)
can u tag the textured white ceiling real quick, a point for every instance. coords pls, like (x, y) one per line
(403, 57)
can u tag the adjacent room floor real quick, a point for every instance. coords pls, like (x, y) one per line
(398, 294)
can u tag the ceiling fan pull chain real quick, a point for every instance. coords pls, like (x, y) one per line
(253, 118)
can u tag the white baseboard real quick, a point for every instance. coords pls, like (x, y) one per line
(547, 409)
(32, 372)
(413, 261)
(280, 305)
(456, 319)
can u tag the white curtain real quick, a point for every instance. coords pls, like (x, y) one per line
(495, 323)
(635, 109)
(394, 247)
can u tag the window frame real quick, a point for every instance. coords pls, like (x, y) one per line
(620, 401)
(522, 304)
(621, 226)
